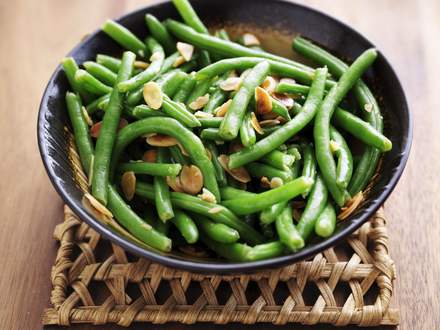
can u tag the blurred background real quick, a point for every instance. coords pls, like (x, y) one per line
(35, 35)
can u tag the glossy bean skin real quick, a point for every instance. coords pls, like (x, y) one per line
(142, 111)
(278, 159)
(326, 223)
(177, 156)
(110, 62)
(219, 232)
(200, 89)
(309, 162)
(219, 171)
(154, 169)
(259, 170)
(70, 68)
(344, 167)
(185, 89)
(179, 112)
(91, 84)
(211, 134)
(162, 197)
(160, 33)
(124, 37)
(247, 132)
(186, 226)
(269, 215)
(213, 122)
(286, 230)
(94, 106)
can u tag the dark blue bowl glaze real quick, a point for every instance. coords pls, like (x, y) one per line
(279, 15)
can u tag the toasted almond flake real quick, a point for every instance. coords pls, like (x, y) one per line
(351, 206)
(141, 65)
(250, 40)
(200, 102)
(86, 116)
(186, 50)
(150, 156)
(92, 161)
(128, 184)
(230, 84)
(288, 80)
(368, 107)
(191, 179)
(334, 146)
(215, 209)
(207, 196)
(159, 140)
(178, 62)
(94, 130)
(255, 124)
(202, 114)
(156, 56)
(265, 182)
(263, 101)
(286, 100)
(174, 183)
(240, 174)
(276, 182)
(221, 110)
(208, 153)
(183, 150)
(296, 214)
(269, 123)
(235, 146)
(153, 95)
(281, 119)
(269, 84)
(98, 206)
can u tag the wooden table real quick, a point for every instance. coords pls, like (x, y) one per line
(35, 35)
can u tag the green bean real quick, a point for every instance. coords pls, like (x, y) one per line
(168, 126)
(219, 171)
(247, 132)
(291, 88)
(211, 134)
(281, 135)
(160, 33)
(210, 122)
(70, 68)
(222, 34)
(162, 192)
(234, 252)
(135, 225)
(228, 192)
(80, 131)
(219, 232)
(91, 84)
(169, 62)
(100, 72)
(142, 111)
(171, 81)
(150, 72)
(109, 62)
(155, 169)
(326, 223)
(266, 251)
(258, 170)
(196, 205)
(107, 134)
(177, 156)
(186, 226)
(217, 98)
(93, 106)
(316, 202)
(185, 89)
(286, 230)
(321, 130)
(200, 89)
(278, 159)
(124, 37)
(265, 199)
(344, 168)
(280, 109)
(234, 116)
(309, 162)
(269, 215)
(178, 111)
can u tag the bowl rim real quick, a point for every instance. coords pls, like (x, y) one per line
(226, 267)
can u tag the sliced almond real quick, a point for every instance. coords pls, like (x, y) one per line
(207, 196)
(276, 182)
(215, 209)
(221, 110)
(269, 84)
(235, 146)
(334, 146)
(150, 156)
(191, 179)
(351, 206)
(200, 102)
(269, 123)
(368, 107)
(178, 62)
(255, 124)
(203, 114)
(97, 205)
(265, 182)
(174, 183)
(230, 84)
(96, 127)
(86, 116)
(263, 101)
(270, 115)
(128, 184)
(240, 174)
(183, 150)
(186, 50)
(159, 140)
(141, 65)
(153, 95)
(156, 56)
(285, 100)
(208, 153)
(250, 40)
(288, 80)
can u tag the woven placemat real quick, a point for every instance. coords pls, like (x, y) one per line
(95, 281)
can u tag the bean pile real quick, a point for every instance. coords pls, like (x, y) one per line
(195, 142)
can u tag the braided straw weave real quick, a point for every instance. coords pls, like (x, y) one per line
(97, 282)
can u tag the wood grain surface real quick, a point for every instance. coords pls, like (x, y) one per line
(35, 35)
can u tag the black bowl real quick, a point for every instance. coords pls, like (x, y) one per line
(276, 15)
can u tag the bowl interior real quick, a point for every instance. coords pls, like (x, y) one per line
(275, 22)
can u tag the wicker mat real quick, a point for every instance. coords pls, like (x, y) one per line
(97, 282)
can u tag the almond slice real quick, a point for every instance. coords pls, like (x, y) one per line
(86, 116)
(174, 183)
(128, 184)
(186, 50)
(153, 95)
(368, 107)
(230, 84)
(182, 150)
(202, 114)
(276, 182)
(208, 153)
(263, 101)
(215, 209)
(255, 124)
(240, 174)
(250, 40)
(269, 123)
(221, 110)
(141, 65)
(334, 146)
(150, 156)
(269, 84)
(286, 100)
(265, 183)
(351, 206)
(159, 140)
(96, 127)
(97, 206)
(156, 56)
(207, 196)
(200, 102)
(178, 62)
(191, 179)
(288, 80)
